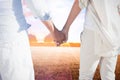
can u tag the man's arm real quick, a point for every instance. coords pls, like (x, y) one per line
(73, 14)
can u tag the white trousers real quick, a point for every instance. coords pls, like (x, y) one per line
(94, 53)
(15, 58)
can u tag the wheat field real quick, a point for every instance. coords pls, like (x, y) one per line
(60, 63)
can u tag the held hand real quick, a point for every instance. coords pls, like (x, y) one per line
(59, 37)
(66, 34)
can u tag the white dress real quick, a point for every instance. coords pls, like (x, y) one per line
(15, 56)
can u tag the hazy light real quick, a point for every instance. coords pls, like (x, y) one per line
(59, 10)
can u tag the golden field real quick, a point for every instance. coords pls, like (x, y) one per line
(60, 63)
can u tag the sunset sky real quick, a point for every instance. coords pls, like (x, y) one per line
(59, 10)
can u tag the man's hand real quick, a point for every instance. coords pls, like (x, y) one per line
(59, 37)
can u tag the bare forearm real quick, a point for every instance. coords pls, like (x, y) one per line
(50, 26)
(73, 14)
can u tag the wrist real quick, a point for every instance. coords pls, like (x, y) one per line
(65, 31)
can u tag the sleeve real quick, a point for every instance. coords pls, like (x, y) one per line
(39, 9)
(83, 3)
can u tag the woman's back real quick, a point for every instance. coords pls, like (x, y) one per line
(12, 19)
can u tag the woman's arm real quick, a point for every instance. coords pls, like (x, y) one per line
(40, 10)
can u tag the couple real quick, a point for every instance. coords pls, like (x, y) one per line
(97, 44)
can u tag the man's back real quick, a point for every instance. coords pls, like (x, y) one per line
(109, 18)
(103, 17)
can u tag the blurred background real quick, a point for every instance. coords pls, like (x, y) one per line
(59, 9)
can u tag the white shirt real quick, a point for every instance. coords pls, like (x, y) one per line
(103, 16)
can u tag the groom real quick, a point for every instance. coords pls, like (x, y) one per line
(100, 43)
